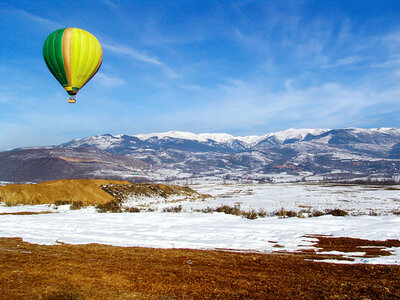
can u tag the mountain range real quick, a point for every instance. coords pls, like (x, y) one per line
(308, 154)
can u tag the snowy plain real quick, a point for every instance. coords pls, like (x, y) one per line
(196, 230)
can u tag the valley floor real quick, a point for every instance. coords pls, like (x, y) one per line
(205, 231)
(188, 227)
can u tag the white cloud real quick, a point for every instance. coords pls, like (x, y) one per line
(128, 51)
(111, 5)
(190, 87)
(139, 56)
(37, 19)
(390, 63)
(344, 34)
(251, 41)
(345, 61)
(108, 80)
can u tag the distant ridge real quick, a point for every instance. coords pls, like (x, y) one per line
(306, 154)
(223, 138)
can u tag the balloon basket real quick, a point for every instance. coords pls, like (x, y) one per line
(71, 100)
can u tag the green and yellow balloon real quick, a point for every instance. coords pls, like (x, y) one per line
(73, 56)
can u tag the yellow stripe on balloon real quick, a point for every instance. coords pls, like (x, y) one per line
(75, 56)
(86, 57)
(97, 56)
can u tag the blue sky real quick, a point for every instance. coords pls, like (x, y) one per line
(240, 67)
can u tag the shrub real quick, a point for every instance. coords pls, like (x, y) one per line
(229, 210)
(317, 213)
(61, 202)
(132, 209)
(173, 209)
(373, 213)
(262, 213)
(337, 212)
(291, 213)
(283, 213)
(207, 210)
(112, 207)
(250, 214)
(76, 205)
(396, 212)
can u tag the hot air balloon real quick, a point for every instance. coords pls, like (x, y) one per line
(73, 56)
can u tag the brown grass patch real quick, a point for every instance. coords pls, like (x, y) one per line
(346, 244)
(22, 213)
(107, 272)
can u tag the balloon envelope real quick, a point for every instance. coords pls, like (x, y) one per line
(73, 56)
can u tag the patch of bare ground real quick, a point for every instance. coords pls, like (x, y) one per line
(342, 248)
(350, 247)
(25, 213)
(95, 271)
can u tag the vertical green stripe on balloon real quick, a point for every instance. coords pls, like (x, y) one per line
(52, 53)
(47, 48)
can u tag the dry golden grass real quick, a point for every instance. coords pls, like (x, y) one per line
(107, 272)
(84, 190)
(76, 159)
(87, 192)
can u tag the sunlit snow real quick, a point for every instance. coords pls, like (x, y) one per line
(196, 230)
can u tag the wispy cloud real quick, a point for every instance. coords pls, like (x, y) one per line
(190, 87)
(109, 80)
(111, 5)
(389, 63)
(139, 56)
(346, 61)
(37, 19)
(344, 34)
(251, 41)
(136, 55)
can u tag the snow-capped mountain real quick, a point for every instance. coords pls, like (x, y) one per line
(338, 153)
(107, 141)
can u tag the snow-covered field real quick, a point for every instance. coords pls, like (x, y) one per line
(189, 229)
(356, 199)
